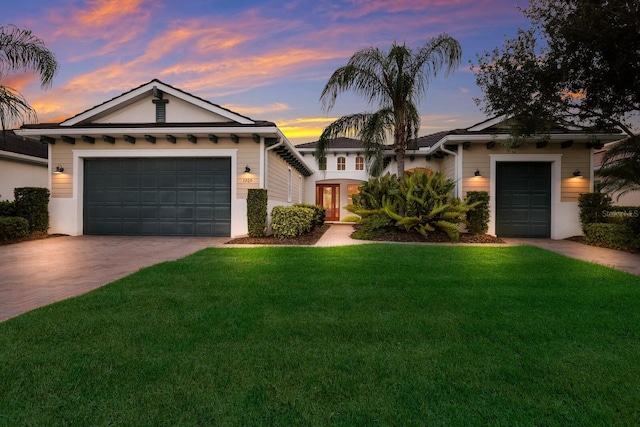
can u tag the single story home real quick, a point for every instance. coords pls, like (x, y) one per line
(159, 161)
(23, 163)
(533, 188)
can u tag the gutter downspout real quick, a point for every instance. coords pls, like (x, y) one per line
(455, 170)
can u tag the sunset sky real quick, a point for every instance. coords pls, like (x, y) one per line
(268, 60)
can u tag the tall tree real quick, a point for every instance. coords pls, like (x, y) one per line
(579, 62)
(20, 50)
(395, 81)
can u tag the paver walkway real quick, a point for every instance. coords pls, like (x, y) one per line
(39, 272)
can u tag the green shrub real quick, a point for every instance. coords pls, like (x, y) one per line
(351, 218)
(319, 213)
(593, 207)
(291, 221)
(629, 216)
(32, 204)
(478, 217)
(373, 194)
(615, 236)
(426, 205)
(257, 212)
(13, 227)
(7, 208)
(375, 225)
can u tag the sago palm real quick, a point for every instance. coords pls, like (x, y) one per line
(394, 81)
(20, 50)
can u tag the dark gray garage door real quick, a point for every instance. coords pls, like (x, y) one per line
(523, 199)
(159, 196)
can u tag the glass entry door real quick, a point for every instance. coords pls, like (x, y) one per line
(328, 196)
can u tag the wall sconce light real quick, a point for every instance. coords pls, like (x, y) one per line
(577, 173)
(247, 169)
(477, 173)
(59, 169)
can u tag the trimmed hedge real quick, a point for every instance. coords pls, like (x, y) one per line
(32, 204)
(319, 213)
(7, 208)
(13, 227)
(615, 236)
(257, 212)
(478, 218)
(291, 221)
(593, 207)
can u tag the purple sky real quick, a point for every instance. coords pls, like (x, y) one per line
(268, 60)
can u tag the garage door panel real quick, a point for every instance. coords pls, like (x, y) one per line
(523, 199)
(167, 196)
(149, 196)
(186, 181)
(187, 196)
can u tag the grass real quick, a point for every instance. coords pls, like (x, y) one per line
(358, 335)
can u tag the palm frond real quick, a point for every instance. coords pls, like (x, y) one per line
(21, 50)
(14, 109)
(620, 171)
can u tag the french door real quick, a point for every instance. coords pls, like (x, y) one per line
(328, 196)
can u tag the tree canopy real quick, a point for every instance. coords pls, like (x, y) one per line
(578, 63)
(20, 50)
(395, 81)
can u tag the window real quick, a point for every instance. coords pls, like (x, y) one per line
(351, 190)
(300, 189)
(342, 163)
(359, 163)
(322, 164)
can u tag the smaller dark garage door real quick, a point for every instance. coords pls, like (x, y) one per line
(523, 199)
(157, 196)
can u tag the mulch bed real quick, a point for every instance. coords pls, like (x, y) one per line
(312, 237)
(308, 239)
(36, 235)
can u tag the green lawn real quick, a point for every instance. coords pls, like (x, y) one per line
(358, 335)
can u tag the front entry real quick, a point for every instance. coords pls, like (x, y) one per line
(328, 196)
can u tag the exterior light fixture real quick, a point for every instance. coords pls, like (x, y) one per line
(247, 169)
(577, 173)
(477, 173)
(59, 169)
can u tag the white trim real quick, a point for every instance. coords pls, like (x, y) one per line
(161, 131)
(23, 157)
(488, 123)
(78, 175)
(556, 187)
(142, 91)
(289, 185)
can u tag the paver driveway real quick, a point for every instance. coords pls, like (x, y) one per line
(37, 273)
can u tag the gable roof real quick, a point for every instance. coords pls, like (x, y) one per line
(498, 128)
(144, 90)
(12, 143)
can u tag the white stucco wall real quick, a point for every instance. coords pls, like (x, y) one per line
(15, 174)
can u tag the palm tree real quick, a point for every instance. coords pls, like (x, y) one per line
(620, 171)
(20, 50)
(396, 81)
